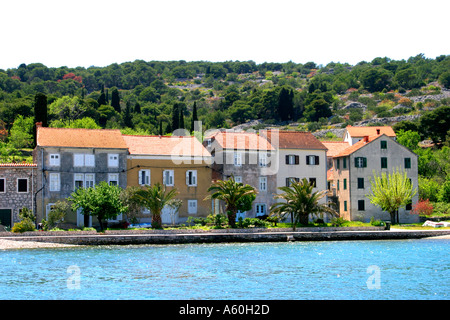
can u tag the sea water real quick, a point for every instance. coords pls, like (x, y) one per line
(356, 270)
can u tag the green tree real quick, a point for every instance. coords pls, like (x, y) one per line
(194, 116)
(435, 124)
(391, 192)
(299, 202)
(102, 201)
(115, 99)
(237, 197)
(375, 79)
(175, 117)
(21, 133)
(155, 198)
(409, 139)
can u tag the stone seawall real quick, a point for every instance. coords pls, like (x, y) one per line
(221, 236)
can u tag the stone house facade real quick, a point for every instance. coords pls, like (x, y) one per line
(17, 190)
(251, 159)
(71, 158)
(354, 167)
(176, 162)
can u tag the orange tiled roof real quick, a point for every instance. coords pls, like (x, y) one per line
(294, 139)
(357, 146)
(335, 147)
(80, 138)
(241, 140)
(370, 131)
(165, 145)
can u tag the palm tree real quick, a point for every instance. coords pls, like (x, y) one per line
(237, 196)
(155, 198)
(300, 202)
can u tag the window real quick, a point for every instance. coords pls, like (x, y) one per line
(168, 177)
(338, 165)
(113, 160)
(345, 205)
(292, 159)
(192, 206)
(89, 180)
(312, 160)
(54, 160)
(290, 180)
(338, 184)
(144, 177)
(191, 178)
(408, 206)
(22, 185)
(113, 179)
(78, 180)
(361, 205)
(263, 159)
(82, 160)
(260, 209)
(312, 181)
(383, 162)
(383, 144)
(345, 184)
(360, 183)
(48, 209)
(2, 185)
(238, 179)
(209, 142)
(55, 182)
(262, 183)
(360, 162)
(237, 159)
(344, 163)
(407, 163)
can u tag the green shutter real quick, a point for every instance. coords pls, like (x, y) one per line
(364, 162)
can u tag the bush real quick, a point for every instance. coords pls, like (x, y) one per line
(423, 207)
(252, 223)
(375, 223)
(23, 226)
(338, 222)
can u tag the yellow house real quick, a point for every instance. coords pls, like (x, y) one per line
(176, 162)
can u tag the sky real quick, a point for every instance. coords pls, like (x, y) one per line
(98, 32)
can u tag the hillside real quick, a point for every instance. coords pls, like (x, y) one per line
(157, 97)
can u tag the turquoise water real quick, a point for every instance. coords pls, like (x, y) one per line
(403, 269)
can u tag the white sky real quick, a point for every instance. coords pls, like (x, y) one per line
(100, 32)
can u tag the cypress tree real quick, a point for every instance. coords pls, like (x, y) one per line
(127, 116)
(137, 108)
(194, 116)
(160, 128)
(40, 112)
(115, 100)
(175, 117)
(102, 99)
(181, 118)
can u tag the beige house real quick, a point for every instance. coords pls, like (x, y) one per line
(354, 166)
(176, 162)
(354, 134)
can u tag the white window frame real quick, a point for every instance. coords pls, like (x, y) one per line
(191, 178)
(113, 177)
(291, 158)
(89, 160)
(238, 179)
(18, 185)
(192, 206)
(54, 159)
(91, 182)
(263, 184)
(146, 173)
(113, 160)
(263, 159)
(55, 181)
(78, 160)
(171, 176)
(260, 209)
(312, 160)
(80, 178)
(237, 159)
(48, 208)
(4, 185)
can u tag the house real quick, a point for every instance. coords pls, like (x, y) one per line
(355, 134)
(179, 162)
(251, 159)
(17, 189)
(68, 159)
(300, 155)
(354, 166)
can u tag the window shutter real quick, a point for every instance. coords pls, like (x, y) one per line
(187, 178)
(287, 159)
(307, 160)
(317, 160)
(287, 182)
(356, 162)
(364, 162)
(297, 159)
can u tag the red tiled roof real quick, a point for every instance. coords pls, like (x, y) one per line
(335, 147)
(80, 138)
(370, 131)
(357, 146)
(166, 146)
(293, 139)
(241, 141)
(18, 165)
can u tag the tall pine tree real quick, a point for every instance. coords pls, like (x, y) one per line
(175, 117)
(115, 100)
(40, 112)
(194, 117)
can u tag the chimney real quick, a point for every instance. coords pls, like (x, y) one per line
(378, 131)
(38, 124)
(366, 139)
